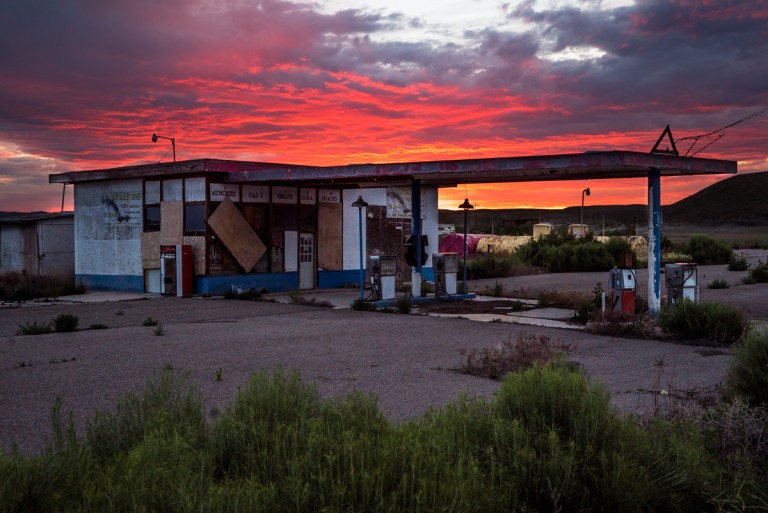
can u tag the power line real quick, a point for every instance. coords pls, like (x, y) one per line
(697, 138)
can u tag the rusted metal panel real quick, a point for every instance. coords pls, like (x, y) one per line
(237, 236)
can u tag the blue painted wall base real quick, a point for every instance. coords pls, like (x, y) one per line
(111, 282)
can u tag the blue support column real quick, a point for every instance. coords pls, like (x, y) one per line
(416, 231)
(654, 242)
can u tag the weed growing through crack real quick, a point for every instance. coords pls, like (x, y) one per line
(98, 326)
(149, 321)
(34, 328)
(219, 373)
(403, 303)
(718, 283)
(159, 330)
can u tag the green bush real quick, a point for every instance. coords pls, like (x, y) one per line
(737, 263)
(65, 322)
(493, 265)
(560, 253)
(758, 274)
(718, 283)
(706, 250)
(748, 374)
(706, 323)
(548, 441)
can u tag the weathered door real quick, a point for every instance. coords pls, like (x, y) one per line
(307, 261)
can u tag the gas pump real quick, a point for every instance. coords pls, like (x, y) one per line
(445, 266)
(622, 284)
(681, 282)
(383, 269)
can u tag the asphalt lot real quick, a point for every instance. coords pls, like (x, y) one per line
(410, 362)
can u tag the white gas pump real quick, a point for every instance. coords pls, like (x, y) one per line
(622, 284)
(681, 282)
(445, 267)
(383, 269)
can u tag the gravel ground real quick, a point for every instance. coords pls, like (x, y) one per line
(409, 362)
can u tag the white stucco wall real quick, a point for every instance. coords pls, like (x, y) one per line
(107, 238)
(11, 248)
(379, 197)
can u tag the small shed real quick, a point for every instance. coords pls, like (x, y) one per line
(38, 243)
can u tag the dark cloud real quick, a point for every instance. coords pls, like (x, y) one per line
(85, 81)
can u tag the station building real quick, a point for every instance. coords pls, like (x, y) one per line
(284, 227)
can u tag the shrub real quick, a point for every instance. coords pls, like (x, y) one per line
(706, 250)
(718, 283)
(564, 253)
(748, 374)
(149, 321)
(494, 265)
(98, 326)
(497, 290)
(564, 299)
(33, 328)
(15, 286)
(758, 274)
(708, 323)
(65, 322)
(737, 263)
(403, 303)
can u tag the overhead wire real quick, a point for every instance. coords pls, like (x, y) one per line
(696, 138)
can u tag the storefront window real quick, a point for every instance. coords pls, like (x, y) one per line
(194, 219)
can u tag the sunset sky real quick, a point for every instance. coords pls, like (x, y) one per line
(85, 83)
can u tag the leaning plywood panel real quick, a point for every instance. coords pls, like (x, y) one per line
(233, 231)
(150, 250)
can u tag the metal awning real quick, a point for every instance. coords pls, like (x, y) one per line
(440, 173)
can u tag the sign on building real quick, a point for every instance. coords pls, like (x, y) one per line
(122, 209)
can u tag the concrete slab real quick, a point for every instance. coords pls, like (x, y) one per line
(528, 321)
(545, 313)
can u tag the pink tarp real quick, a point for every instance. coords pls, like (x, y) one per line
(454, 243)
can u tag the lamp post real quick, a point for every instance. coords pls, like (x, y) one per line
(155, 137)
(466, 206)
(585, 191)
(360, 204)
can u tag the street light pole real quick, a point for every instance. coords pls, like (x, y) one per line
(466, 206)
(360, 204)
(155, 137)
(585, 191)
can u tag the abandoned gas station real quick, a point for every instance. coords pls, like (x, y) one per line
(279, 227)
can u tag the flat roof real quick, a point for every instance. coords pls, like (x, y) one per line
(441, 173)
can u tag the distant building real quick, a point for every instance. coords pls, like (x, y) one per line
(445, 229)
(38, 243)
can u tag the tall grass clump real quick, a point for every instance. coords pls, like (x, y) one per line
(748, 374)
(16, 286)
(709, 324)
(65, 322)
(707, 251)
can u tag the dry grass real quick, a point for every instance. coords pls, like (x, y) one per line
(512, 355)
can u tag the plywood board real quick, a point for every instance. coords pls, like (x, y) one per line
(330, 249)
(237, 236)
(171, 222)
(150, 250)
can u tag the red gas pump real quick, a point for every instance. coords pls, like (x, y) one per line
(623, 285)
